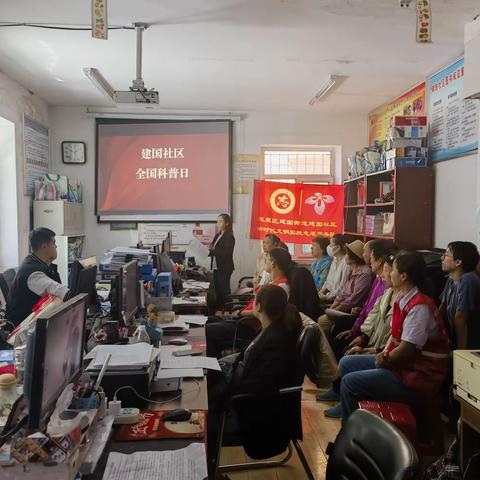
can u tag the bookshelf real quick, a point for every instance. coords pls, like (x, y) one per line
(411, 209)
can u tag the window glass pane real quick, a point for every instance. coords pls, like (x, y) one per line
(307, 248)
(297, 162)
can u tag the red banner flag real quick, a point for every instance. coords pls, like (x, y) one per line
(296, 212)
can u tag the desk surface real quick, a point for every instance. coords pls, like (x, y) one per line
(194, 397)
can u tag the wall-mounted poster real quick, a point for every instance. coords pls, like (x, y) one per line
(452, 120)
(412, 102)
(36, 152)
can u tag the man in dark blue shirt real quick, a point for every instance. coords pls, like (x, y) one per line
(461, 296)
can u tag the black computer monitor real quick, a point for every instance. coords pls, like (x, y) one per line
(129, 287)
(54, 357)
(167, 243)
(83, 279)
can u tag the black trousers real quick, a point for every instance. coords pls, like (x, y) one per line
(341, 324)
(224, 333)
(221, 288)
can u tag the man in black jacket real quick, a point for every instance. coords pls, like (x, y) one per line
(36, 277)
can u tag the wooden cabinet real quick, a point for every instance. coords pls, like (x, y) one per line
(410, 209)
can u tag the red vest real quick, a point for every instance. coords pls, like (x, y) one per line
(249, 307)
(426, 371)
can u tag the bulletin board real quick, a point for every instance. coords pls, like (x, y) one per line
(452, 120)
(412, 102)
(36, 146)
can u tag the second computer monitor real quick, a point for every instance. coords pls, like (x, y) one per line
(129, 290)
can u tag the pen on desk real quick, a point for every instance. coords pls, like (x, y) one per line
(102, 371)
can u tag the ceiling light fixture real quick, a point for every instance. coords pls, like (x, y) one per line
(100, 83)
(330, 82)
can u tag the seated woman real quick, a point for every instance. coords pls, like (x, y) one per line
(239, 328)
(380, 250)
(269, 242)
(321, 263)
(270, 362)
(413, 365)
(375, 331)
(337, 274)
(354, 291)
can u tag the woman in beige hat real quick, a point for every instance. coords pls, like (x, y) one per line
(355, 289)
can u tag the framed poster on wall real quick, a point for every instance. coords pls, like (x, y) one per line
(452, 120)
(36, 147)
(412, 102)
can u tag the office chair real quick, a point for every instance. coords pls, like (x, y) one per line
(269, 424)
(369, 448)
(6, 281)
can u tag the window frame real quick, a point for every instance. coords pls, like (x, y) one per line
(299, 255)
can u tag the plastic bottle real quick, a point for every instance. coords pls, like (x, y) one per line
(141, 335)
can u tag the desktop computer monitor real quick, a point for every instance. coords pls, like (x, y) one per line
(128, 280)
(54, 357)
(167, 243)
(83, 279)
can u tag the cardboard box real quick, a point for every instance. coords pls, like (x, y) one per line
(406, 152)
(408, 121)
(404, 142)
(407, 132)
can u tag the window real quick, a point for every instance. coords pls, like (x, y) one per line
(298, 164)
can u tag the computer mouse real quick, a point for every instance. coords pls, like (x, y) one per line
(178, 341)
(179, 415)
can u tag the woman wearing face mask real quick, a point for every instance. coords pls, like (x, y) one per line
(321, 263)
(221, 251)
(338, 271)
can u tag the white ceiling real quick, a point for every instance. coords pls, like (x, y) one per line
(234, 55)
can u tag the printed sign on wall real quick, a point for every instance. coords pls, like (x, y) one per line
(452, 120)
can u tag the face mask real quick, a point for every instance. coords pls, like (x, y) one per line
(330, 251)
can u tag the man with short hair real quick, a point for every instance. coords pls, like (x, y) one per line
(36, 277)
(461, 297)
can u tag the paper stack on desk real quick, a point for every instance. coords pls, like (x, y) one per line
(190, 362)
(199, 320)
(185, 463)
(124, 357)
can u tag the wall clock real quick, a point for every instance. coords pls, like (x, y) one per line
(74, 152)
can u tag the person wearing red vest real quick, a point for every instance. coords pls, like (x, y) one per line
(414, 363)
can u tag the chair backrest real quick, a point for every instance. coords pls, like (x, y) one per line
(369, 448)
(303, 292)
(267, 423)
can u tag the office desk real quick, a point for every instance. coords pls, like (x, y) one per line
(194, 397)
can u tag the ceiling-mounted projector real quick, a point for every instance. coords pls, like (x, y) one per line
(137, 92)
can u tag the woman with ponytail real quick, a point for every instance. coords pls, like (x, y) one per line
(237, 329)
(270, 362)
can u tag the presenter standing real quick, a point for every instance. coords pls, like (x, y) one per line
(221, 251)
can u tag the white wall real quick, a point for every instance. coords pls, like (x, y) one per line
(8, 196)
(14, 102)
(455, 200)
(255, 130)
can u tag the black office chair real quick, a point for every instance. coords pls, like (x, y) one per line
(6, 281)
(369, 448)
(269, 424)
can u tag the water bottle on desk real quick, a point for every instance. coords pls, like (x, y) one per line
(141, 335)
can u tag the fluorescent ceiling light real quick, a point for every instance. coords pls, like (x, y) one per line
(330, 82)
(100, 83)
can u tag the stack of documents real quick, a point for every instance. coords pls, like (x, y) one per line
(177, 326)
(186, 463)
(124, 357)
(199, 320)
(114, 259)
